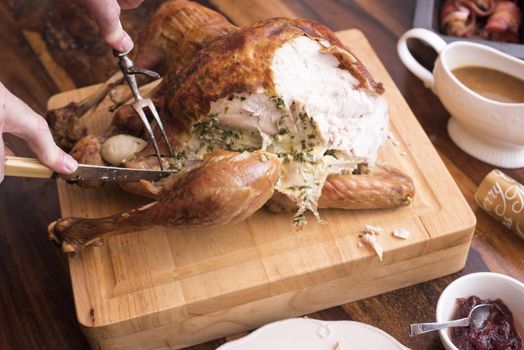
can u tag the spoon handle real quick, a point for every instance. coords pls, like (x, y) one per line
(419, 328)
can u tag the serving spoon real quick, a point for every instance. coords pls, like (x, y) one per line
(477, 318)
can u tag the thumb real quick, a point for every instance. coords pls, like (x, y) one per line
(107, 16)
(55, 158)
(116, 37)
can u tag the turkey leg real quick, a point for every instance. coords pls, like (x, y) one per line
(227, 187)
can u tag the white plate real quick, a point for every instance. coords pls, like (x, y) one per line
(311, 334)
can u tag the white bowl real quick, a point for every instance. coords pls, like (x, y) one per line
(485, 285)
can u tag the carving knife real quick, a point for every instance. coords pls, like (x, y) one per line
(30, 167)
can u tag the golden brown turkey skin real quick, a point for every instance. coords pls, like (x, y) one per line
(227, 187)
(176, 32)
(241, 62)
(381, 188)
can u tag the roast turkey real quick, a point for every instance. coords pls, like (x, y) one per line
(279, 113)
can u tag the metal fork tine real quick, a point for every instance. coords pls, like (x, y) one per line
(143, 117)
(154, 112)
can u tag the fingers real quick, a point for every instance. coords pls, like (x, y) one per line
(107, 16)
(22, 121)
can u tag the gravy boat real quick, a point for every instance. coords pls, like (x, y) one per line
(488, 130)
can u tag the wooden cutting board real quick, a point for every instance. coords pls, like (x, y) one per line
(168, 288)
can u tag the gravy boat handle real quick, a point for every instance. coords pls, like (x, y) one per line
(430, 38)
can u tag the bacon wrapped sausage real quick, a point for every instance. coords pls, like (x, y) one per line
(481, 8)
(458, 20)
(504, 23)
(497, 20)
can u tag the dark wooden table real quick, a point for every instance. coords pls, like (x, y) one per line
(47, 46)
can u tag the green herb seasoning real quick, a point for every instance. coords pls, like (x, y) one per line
(279, 103)
(299, 219)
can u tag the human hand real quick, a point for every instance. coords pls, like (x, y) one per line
(18, 119)
(107, 15)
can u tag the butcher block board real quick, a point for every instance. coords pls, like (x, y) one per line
(168, 288)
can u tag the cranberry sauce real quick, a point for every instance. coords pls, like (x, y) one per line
(498, 334)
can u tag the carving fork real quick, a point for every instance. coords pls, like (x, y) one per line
(142, 104)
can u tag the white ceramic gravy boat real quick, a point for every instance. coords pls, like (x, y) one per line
(488, 130)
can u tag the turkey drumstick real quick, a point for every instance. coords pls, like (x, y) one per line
(227, 187)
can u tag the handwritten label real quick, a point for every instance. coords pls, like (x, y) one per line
(503, 198)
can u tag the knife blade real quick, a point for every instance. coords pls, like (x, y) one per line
(110, 174)
(29, 167)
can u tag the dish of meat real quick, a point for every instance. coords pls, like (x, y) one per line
(497, 20)
(278, 114)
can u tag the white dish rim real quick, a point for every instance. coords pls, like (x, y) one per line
(268, 327)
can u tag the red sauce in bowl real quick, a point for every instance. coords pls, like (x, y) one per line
(499, 332)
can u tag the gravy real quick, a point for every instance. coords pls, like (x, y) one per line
(491, 83)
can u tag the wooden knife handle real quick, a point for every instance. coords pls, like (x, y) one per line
(26, 167)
